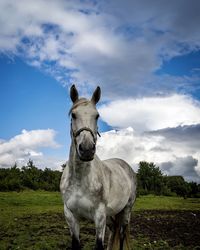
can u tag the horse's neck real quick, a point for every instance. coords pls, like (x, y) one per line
(78, 168)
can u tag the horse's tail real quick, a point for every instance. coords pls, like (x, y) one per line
(115, 243)
(127, 239)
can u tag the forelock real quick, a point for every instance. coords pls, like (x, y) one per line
(79, 102)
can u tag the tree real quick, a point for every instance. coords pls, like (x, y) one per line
(194, 189)
(150, 178)
(178, 185)
(31, 176)
(10, 179)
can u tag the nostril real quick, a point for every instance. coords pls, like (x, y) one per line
(80, 148)
(93, 148)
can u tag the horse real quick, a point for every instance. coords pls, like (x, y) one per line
(101, 191)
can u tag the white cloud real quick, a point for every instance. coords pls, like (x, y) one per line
(119, 45)
(164, 130)
(172, 158)
(151, 113)
(26, 145)
(128, 145)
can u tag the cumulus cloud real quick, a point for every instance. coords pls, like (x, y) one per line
(152, 113)
(172, 158)
(185, 142)
(128, 145)
(26, 145)
(164, 130)
(188, 135)
(119, 45)
(186, 166)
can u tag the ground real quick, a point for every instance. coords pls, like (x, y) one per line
(166, 229)
(35, 220)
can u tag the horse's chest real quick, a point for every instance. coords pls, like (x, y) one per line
(80, 203)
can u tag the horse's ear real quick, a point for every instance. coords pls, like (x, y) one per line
(96, 95)
(73, 93)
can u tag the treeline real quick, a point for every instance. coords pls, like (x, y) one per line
(29, 177)
(150, 180)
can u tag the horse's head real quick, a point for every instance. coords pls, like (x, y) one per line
(84, 118)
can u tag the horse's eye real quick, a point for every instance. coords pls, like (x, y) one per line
(73, 116)
(97, 116)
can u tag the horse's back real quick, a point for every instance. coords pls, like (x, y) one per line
(122, 184)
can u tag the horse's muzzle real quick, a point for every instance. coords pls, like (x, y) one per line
(86, 151)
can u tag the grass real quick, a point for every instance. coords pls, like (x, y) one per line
(14, 204)
(17, 204)
(34, 220)
(151, 202)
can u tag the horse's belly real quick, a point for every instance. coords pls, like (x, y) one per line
(115, 206)
(118, 198)
(120, 185)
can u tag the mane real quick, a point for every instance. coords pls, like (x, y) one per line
(81, 101)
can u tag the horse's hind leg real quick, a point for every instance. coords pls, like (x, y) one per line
(110, 240)
(124, 220)
(118, 230)
(111, 230)
(123, 233)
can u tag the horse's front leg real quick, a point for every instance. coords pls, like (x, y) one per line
(100, 224)
(74, 228)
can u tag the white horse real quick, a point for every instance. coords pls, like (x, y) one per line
(101, 191)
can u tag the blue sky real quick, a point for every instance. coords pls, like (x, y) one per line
(145, 58)
(31, 99)
(182, 65)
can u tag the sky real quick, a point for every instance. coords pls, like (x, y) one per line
(145, 56)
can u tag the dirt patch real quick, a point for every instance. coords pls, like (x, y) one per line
(174, 227)
(50, 231)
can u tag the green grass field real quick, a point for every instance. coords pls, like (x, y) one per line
(13, 204)
(34, 220)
